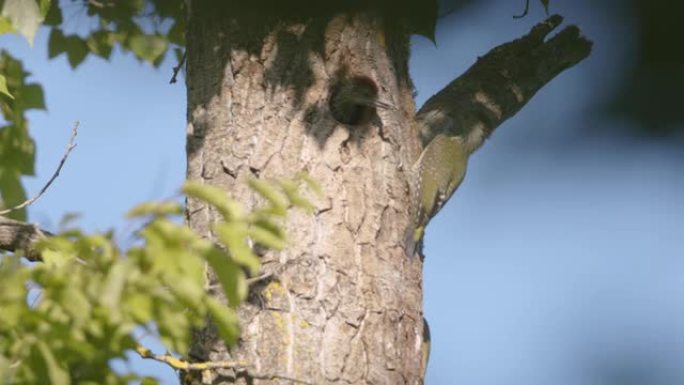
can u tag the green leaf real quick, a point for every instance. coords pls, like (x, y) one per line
(545, 3)
(291, 189)
(56, 374)
(311, 183)
(266, 237)
(18, 153)
(53, 17)
(278, 201)
(148, 47)
(230, 276)
(12, 193)
(225, 320)
(176, 34)
(54, 258)
(76, 50)
(215, 196)
(113, 287)
(100, 43)
(44, 6)
(3, 87)
(421, 16)
(75, 304)
(31, 96)
(234, 236)
(140, 307)
(155, 209)
(25, 16)
(149, 381)
(188, 291)
(56, 43)
(5, 26)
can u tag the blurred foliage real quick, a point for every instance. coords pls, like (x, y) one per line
(651, 93)
(90, 298)
(17, 149)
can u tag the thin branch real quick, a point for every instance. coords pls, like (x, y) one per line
(27, 202)
(179, 364)
(501, 82)
(17, 235)
(527, 8)
(239, 366)
(177, 68)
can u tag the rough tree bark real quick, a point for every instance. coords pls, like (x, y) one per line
(344, 303)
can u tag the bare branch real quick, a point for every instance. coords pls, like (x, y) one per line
(178, 67)
(238, 366)
(70, 146)
(500, 83)
(524, 13)
(16, 235)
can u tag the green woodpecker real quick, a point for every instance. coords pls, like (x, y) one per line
(437, 174)
(426, 346)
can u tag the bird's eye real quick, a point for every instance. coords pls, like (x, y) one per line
(353, 100)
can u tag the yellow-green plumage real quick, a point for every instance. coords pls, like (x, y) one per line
(438, 172)
(426, 346)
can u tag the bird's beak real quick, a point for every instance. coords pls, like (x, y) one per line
(381, 104)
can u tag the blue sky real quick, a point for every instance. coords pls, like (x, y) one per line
(558, 261)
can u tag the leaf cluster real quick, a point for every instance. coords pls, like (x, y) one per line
(64, 320)
(17, 149)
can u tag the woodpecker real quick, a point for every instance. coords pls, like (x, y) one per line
(437, 173)
(426, 346)
(353, 101)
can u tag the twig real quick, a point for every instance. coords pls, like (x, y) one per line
(27, 202)
(177, 68)
(240, 366)
(251, 281)
(179, 364)
(527, 8)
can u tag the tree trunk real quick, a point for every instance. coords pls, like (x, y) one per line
(344, 302)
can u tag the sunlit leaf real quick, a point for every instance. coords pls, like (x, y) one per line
(100, 43)
(25, 16)
(3, 87)
(278, 201)
(113, 286)
(234, 236)
(266, 237)
(156, 209)
(149, 47)
(5, 26)
(56, 374)
(149, 381)
(216, 197)
(230, 276)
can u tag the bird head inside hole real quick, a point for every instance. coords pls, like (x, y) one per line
(354, 100)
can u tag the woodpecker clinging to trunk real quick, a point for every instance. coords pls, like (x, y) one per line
(426, 346)
(440, 169)
(437, 174)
